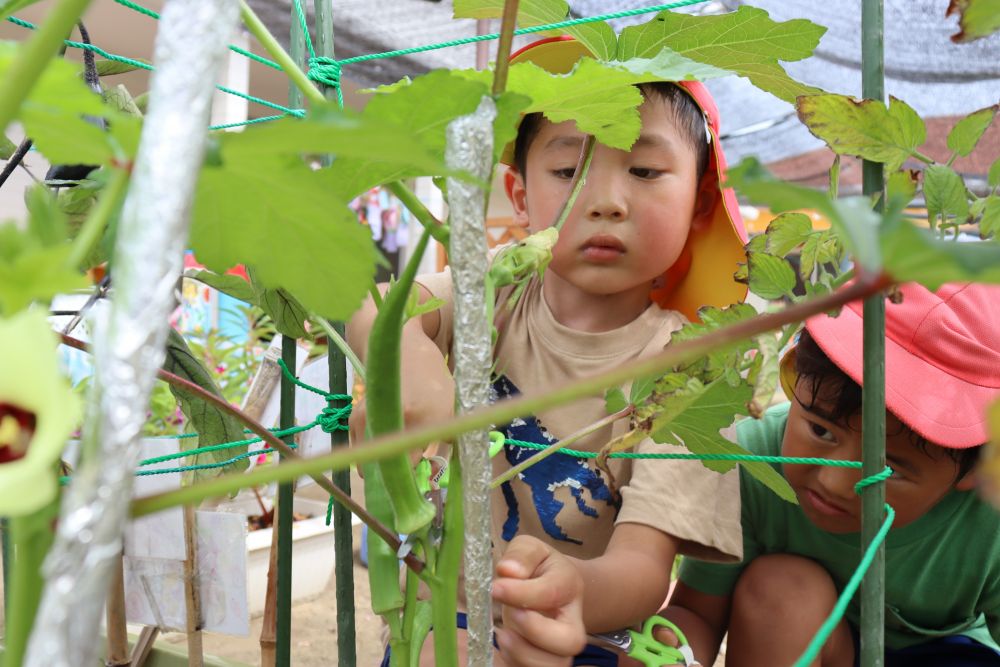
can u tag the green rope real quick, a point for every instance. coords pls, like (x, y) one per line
(232, 47)
(225, 445)
(816, 645)
(146, 66)
(252, 121)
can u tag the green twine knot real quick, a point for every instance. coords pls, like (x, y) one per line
(874, 479)
(325, 71)
(334, 419)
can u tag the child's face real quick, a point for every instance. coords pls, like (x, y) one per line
(826, 493)
(632, 218)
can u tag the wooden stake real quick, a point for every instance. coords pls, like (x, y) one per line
(192, 593)
(144, 645)
(118, 650)
(269, 624)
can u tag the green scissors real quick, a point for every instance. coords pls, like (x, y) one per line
(641, 645)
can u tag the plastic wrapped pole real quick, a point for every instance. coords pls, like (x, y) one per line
(470, 147)
(130, 337)
(873, 403)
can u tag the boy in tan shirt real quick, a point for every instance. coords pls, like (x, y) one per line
(651, 238)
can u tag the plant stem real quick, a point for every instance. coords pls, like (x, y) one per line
(556, 446)
(444, 586)
(34, 55)
(437, 229)
(376, 526)
(95, 224)
(32, 536)
(341, 344)
(579, 180)
(271, 45)
(396, 443)
(507, 25)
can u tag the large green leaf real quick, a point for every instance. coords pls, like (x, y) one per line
(53, 114)
(32, 271)
(912, 254)
(746, 42)
(214, 426)
(967, 132)
(944, 192)
(422, 109)
(286, 312)
(113, 67)
(668, 65)
(866, 128)
(771, 277)
(234, 286)
(852, 217)
(285, 221)
(598, 36)
(978, 18)
(8, 7)
(330, 130)
(699, 414)
(600, 98)
(821, 248)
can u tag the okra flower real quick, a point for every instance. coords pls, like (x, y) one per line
(38, 412)
(516, 264)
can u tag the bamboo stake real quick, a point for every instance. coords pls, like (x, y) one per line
(118, 651)
(873, 393)
(343, 533)
(269, 624)
(192, 591)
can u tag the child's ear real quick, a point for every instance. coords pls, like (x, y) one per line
(966, 482)
(705, 201)
(513, 185)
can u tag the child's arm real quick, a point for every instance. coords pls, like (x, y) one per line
(428, 387)
(629, 582)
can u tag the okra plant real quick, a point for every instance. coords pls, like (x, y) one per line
(321, 264)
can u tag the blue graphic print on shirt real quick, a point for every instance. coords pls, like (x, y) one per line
(556, 471)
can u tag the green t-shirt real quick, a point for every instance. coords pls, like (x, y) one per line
(942, 571)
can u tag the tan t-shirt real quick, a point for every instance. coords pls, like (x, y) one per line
(566, 501)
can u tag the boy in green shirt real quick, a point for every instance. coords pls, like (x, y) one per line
(942, 588)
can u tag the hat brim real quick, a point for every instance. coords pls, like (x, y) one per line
(920, 394)
(713, 253)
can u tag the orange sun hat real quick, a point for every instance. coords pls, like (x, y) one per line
(703, 274)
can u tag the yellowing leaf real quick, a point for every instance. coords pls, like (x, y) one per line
(966, 134)
(978, 18)
(786, 232)
(703, 412)
(747, 42)
(866, 128)
(989, 224)
(852, 217)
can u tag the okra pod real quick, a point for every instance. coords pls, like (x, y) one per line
(384, 404)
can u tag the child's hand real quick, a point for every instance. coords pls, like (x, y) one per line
(542, 596)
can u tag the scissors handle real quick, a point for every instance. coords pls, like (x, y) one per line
(649, 651)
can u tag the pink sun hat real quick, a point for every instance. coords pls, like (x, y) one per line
(942, 357)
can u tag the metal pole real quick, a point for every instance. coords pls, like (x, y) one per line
(873, 406)
(283, 651)
(343, 534)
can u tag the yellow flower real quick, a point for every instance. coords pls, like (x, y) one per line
(38, 412)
